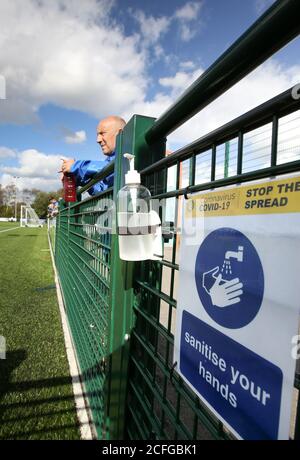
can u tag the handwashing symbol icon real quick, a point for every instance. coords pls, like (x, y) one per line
(224, 292)
(229, 277)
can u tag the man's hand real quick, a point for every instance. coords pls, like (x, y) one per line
(66, 165)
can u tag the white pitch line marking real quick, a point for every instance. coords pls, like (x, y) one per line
(8, 230)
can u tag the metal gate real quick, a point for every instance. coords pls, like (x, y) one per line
(122, 314)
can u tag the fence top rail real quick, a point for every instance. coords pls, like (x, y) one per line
(274, 29)
(280, 105)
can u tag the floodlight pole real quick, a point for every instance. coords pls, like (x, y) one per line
(16, 203)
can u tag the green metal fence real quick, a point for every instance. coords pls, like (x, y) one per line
(83, 263)
(122, 314)
(160, 405)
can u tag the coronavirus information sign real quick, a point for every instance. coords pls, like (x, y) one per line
(238, 303)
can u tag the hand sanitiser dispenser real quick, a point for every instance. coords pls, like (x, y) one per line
(139, 227)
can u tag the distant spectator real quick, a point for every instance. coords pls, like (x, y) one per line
(52, 209)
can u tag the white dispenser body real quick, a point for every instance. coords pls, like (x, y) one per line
(139, 228)
(140, 236)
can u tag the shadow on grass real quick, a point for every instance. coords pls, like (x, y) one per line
(25, 412)
(8, 365)
(23, 236)
(44, 408)
(45, 288)
(40, 434)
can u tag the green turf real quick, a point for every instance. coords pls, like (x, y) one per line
(6, 225)
(36, 399)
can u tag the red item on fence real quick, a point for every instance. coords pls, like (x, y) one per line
(69, 185)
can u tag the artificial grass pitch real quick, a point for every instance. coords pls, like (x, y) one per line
(8, 225)
(36, 398)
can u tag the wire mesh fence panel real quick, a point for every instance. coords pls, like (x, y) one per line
(83, 248)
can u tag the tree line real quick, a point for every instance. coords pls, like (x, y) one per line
(38, 199)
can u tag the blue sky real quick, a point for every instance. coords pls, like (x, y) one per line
(66, 68)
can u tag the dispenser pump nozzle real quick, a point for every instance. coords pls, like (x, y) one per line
(132, 177)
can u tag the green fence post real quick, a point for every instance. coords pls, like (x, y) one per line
(132, 140)
(226, 162)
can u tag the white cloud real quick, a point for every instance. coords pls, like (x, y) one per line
(34, 169)
(7, 153)
(173, 87)
(261, 85)
(68, 53)
(180, 81)
(187, 65)
(187, 33)
(264, 83)
(76, 138)
(189, 11)
(158, 51)
(152, 28)
(2, 87)
(188, 19)
(33, 163)
(49, 185)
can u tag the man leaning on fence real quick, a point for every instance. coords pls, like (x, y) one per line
(84, 171)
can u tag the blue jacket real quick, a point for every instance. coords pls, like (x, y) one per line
(85, 170)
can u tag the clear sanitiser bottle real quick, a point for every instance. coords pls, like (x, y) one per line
(134, 229)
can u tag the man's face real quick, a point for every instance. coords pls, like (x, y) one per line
(106, 136)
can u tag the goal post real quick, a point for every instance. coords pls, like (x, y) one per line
(29, 217)
(22, 216)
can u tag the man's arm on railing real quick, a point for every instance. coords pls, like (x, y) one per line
(85, 170)
(105, 176)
